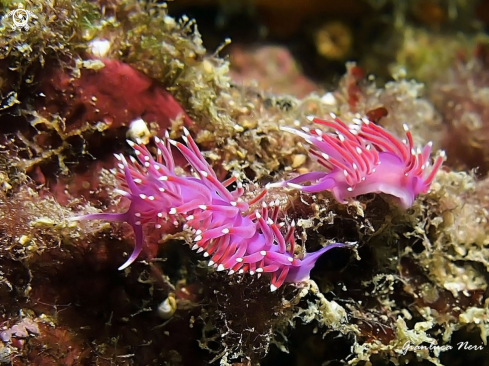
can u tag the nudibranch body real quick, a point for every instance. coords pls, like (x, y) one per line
(223, 229)
(365, 158)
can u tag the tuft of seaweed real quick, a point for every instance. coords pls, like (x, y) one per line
(461, 97)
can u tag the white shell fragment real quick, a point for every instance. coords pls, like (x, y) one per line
(167, 307)
(139, 132)
(99, 47)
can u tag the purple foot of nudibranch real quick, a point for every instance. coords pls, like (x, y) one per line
(302, 272)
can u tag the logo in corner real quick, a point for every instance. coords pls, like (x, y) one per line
(20, 17)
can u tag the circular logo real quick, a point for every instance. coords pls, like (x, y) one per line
(20, 17)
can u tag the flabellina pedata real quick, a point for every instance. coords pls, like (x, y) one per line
(365, 158)
(223, 228)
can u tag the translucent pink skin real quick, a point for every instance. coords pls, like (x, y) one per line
(223, 230)
(365, 158)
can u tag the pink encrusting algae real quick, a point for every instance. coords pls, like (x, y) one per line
(365, 158)
(224, 230)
